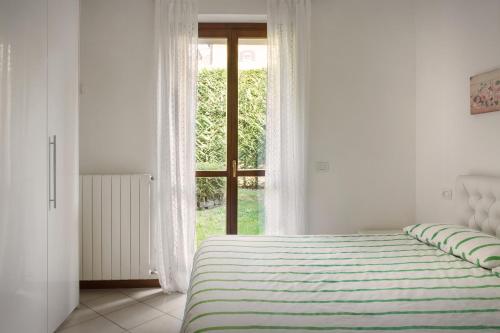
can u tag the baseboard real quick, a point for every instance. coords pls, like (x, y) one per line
(110, 284)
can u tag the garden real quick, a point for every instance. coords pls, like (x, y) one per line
(211, 133)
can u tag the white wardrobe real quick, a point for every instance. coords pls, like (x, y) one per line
(38, 163)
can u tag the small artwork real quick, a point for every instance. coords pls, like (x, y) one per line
(485, 92)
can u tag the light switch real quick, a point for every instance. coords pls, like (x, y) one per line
(323, 166)
(447, 194)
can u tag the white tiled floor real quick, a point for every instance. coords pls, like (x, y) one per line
(143, 310)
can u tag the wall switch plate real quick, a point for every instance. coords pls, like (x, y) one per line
(447, 194)
(323, 166)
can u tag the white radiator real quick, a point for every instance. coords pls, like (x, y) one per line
(115, 227)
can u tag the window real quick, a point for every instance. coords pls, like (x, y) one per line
(230, 129)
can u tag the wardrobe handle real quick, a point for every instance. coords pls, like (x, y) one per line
(52, 171)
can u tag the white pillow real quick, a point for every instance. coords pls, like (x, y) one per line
(472, 245)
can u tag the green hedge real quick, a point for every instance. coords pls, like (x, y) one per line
(211, 129)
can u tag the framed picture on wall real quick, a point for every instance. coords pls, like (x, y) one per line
(485, 92)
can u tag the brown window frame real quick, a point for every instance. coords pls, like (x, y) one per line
(232, 32)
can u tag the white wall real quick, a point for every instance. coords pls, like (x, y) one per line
(117, 81)
(455, 39)
(238, 7)
(362, 116)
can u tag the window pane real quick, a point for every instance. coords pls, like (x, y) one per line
(251, 205)
(252, 92)
(211, 124)
(210, 207)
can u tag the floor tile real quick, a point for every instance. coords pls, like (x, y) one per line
(133, 315)
(90, 294)
(98, 325)
(110, 302)
(80, 314)
(164, 324)
(141, 294)
(177, 312)
(168, 302)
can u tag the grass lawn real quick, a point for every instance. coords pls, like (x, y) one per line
(210, 222)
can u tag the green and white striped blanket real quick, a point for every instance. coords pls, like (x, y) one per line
(339, 283)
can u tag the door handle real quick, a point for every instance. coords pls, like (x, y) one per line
(235, 166)
(52, 172)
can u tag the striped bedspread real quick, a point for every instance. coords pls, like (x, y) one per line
(339, 283)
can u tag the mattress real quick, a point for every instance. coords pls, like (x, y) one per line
(338, 283)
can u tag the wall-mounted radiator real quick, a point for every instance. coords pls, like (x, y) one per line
(115, 227)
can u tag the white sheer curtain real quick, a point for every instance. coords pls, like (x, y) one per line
(288, 26)
(176, 38)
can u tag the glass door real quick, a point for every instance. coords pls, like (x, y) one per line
(230, 129)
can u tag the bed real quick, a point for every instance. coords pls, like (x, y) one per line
(345, 283)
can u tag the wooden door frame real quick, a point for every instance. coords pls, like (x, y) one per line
(232, 32)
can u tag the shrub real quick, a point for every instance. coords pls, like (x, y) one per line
(211, 129)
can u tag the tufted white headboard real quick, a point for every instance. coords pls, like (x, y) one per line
(478, 203)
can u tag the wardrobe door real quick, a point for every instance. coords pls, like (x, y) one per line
(63, 256)
(23, 166)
